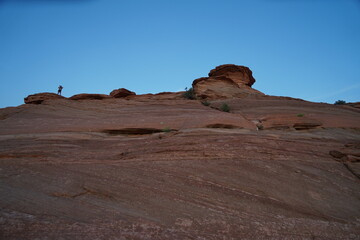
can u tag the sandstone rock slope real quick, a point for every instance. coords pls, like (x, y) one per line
(158, 166)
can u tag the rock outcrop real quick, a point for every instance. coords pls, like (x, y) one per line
(241, 75)
(121, 93)
(89, 96)
(40, 97)
(226, 81)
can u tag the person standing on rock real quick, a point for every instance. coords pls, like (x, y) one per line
(60, 88)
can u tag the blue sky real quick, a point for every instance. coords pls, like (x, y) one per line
(307, 49)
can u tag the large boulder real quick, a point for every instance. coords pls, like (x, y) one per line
(226, 81)
(121, 93)
(90, 96)
(40, 97)
(240, 75)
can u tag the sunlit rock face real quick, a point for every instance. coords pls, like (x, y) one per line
(241, 75)
(226, 81)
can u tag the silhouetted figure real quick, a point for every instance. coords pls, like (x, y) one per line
(60, 88)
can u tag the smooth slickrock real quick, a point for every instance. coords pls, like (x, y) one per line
(118, 113)
(176, 169)
(290, 110)
(121, 93)
(159, 166)
(40, 97)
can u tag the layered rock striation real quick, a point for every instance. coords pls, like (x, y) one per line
(241, 75)
(226, 81)
(159, 166)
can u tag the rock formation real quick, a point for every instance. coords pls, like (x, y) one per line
(159, 166)
(226, 81)
(241, 75)
(40, 97)
(121, 92)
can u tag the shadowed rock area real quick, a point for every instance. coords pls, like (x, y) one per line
(121, 92)
(159, 166)
(89, 96)
(40, 97)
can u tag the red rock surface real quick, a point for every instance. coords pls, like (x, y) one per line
(121, 92)
(158, 96)
(241, 75)
(226, 81)
(40, 97)
(219, 87)
(158, 166)
(354, 104)
(115, 113)
(162, 167)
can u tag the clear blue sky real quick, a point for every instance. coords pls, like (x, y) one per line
(307, 49)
